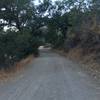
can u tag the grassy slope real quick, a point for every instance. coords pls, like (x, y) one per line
(90, 64)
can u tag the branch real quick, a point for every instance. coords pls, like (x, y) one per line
(6, 24)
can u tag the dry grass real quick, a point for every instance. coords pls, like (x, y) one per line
(90, 64)
(16, 69)
(75, 53)
(20, 65)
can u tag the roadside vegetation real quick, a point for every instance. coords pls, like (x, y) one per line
(66, 24)
(19, 29)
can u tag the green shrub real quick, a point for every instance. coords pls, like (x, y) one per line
(14, 46)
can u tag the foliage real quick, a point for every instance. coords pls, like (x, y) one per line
(23, 36)
(69, 23)
(76, 21)
(15, 13)
(16, 45)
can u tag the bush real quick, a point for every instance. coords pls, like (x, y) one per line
(15, 46)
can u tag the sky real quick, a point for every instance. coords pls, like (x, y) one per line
(37, 1)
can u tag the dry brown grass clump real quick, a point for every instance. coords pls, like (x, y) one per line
(89, 60)
(16, 69)
(91, 64)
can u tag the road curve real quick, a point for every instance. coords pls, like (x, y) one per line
(51, 77)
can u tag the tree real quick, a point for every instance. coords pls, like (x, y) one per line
(15, 13)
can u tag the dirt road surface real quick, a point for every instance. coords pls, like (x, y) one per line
(51, 77)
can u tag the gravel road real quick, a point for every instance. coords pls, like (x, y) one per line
(51, 77)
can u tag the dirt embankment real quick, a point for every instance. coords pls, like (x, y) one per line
(90, 61)
(16, 69)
